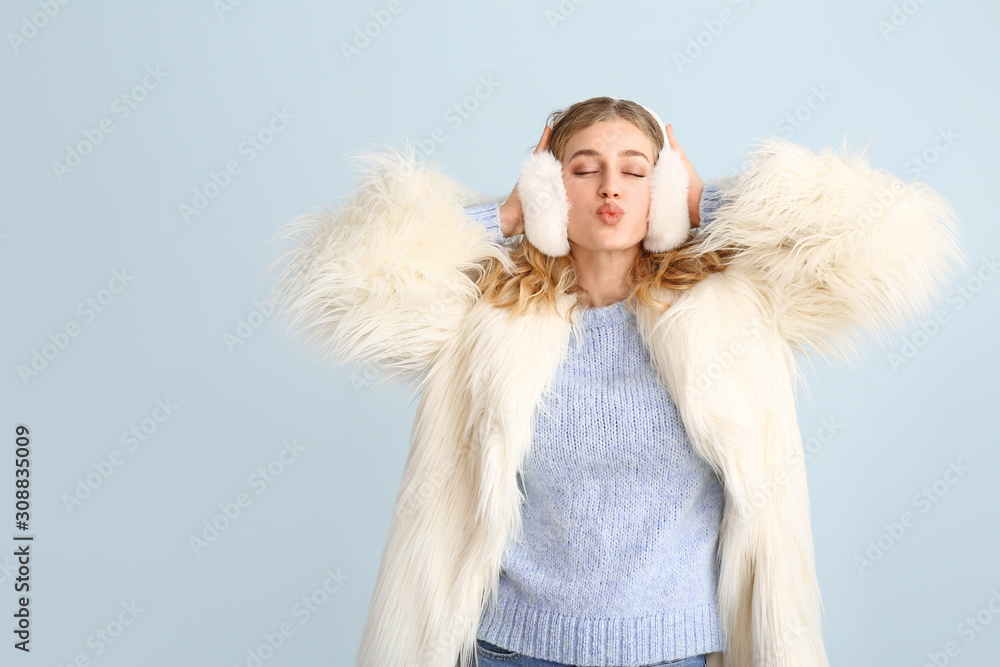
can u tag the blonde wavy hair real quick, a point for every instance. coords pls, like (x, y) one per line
(538, 279)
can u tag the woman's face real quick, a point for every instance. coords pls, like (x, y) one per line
(607, 169)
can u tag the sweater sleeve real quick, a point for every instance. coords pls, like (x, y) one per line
(487, 216)
(712, 196)
(386, 277)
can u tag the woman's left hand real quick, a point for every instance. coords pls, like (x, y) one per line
(696, 184)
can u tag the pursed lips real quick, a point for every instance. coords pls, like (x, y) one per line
(610, 213)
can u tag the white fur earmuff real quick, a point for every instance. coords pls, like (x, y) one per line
(546, 206)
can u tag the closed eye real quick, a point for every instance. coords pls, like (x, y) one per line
(627, 173)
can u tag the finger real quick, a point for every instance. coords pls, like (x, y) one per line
(541, 139)
(543, 143)
(670, 137)
(676, 147)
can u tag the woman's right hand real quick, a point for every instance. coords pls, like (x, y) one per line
(511, 213)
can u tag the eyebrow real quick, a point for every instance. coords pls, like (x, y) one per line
(625, 152)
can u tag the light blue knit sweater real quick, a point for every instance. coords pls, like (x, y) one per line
(617, 566)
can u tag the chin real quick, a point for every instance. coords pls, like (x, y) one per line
(609, 244)
(601, 236)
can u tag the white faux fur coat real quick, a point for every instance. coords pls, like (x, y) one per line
(831, 250)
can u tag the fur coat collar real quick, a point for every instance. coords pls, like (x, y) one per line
(830, 249)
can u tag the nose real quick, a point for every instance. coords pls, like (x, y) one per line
(611, 185)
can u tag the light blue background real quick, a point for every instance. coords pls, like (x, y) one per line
(163, 336)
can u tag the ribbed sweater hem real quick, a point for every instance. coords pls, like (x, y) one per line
(603, 642)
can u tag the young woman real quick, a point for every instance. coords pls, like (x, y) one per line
(605, 466)
(645, 555)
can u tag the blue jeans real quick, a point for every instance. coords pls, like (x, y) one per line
(491, 655)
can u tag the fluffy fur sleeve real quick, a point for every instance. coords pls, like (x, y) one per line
(837, 248)
(386, 276)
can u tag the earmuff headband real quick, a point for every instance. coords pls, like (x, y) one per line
(546, 205)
